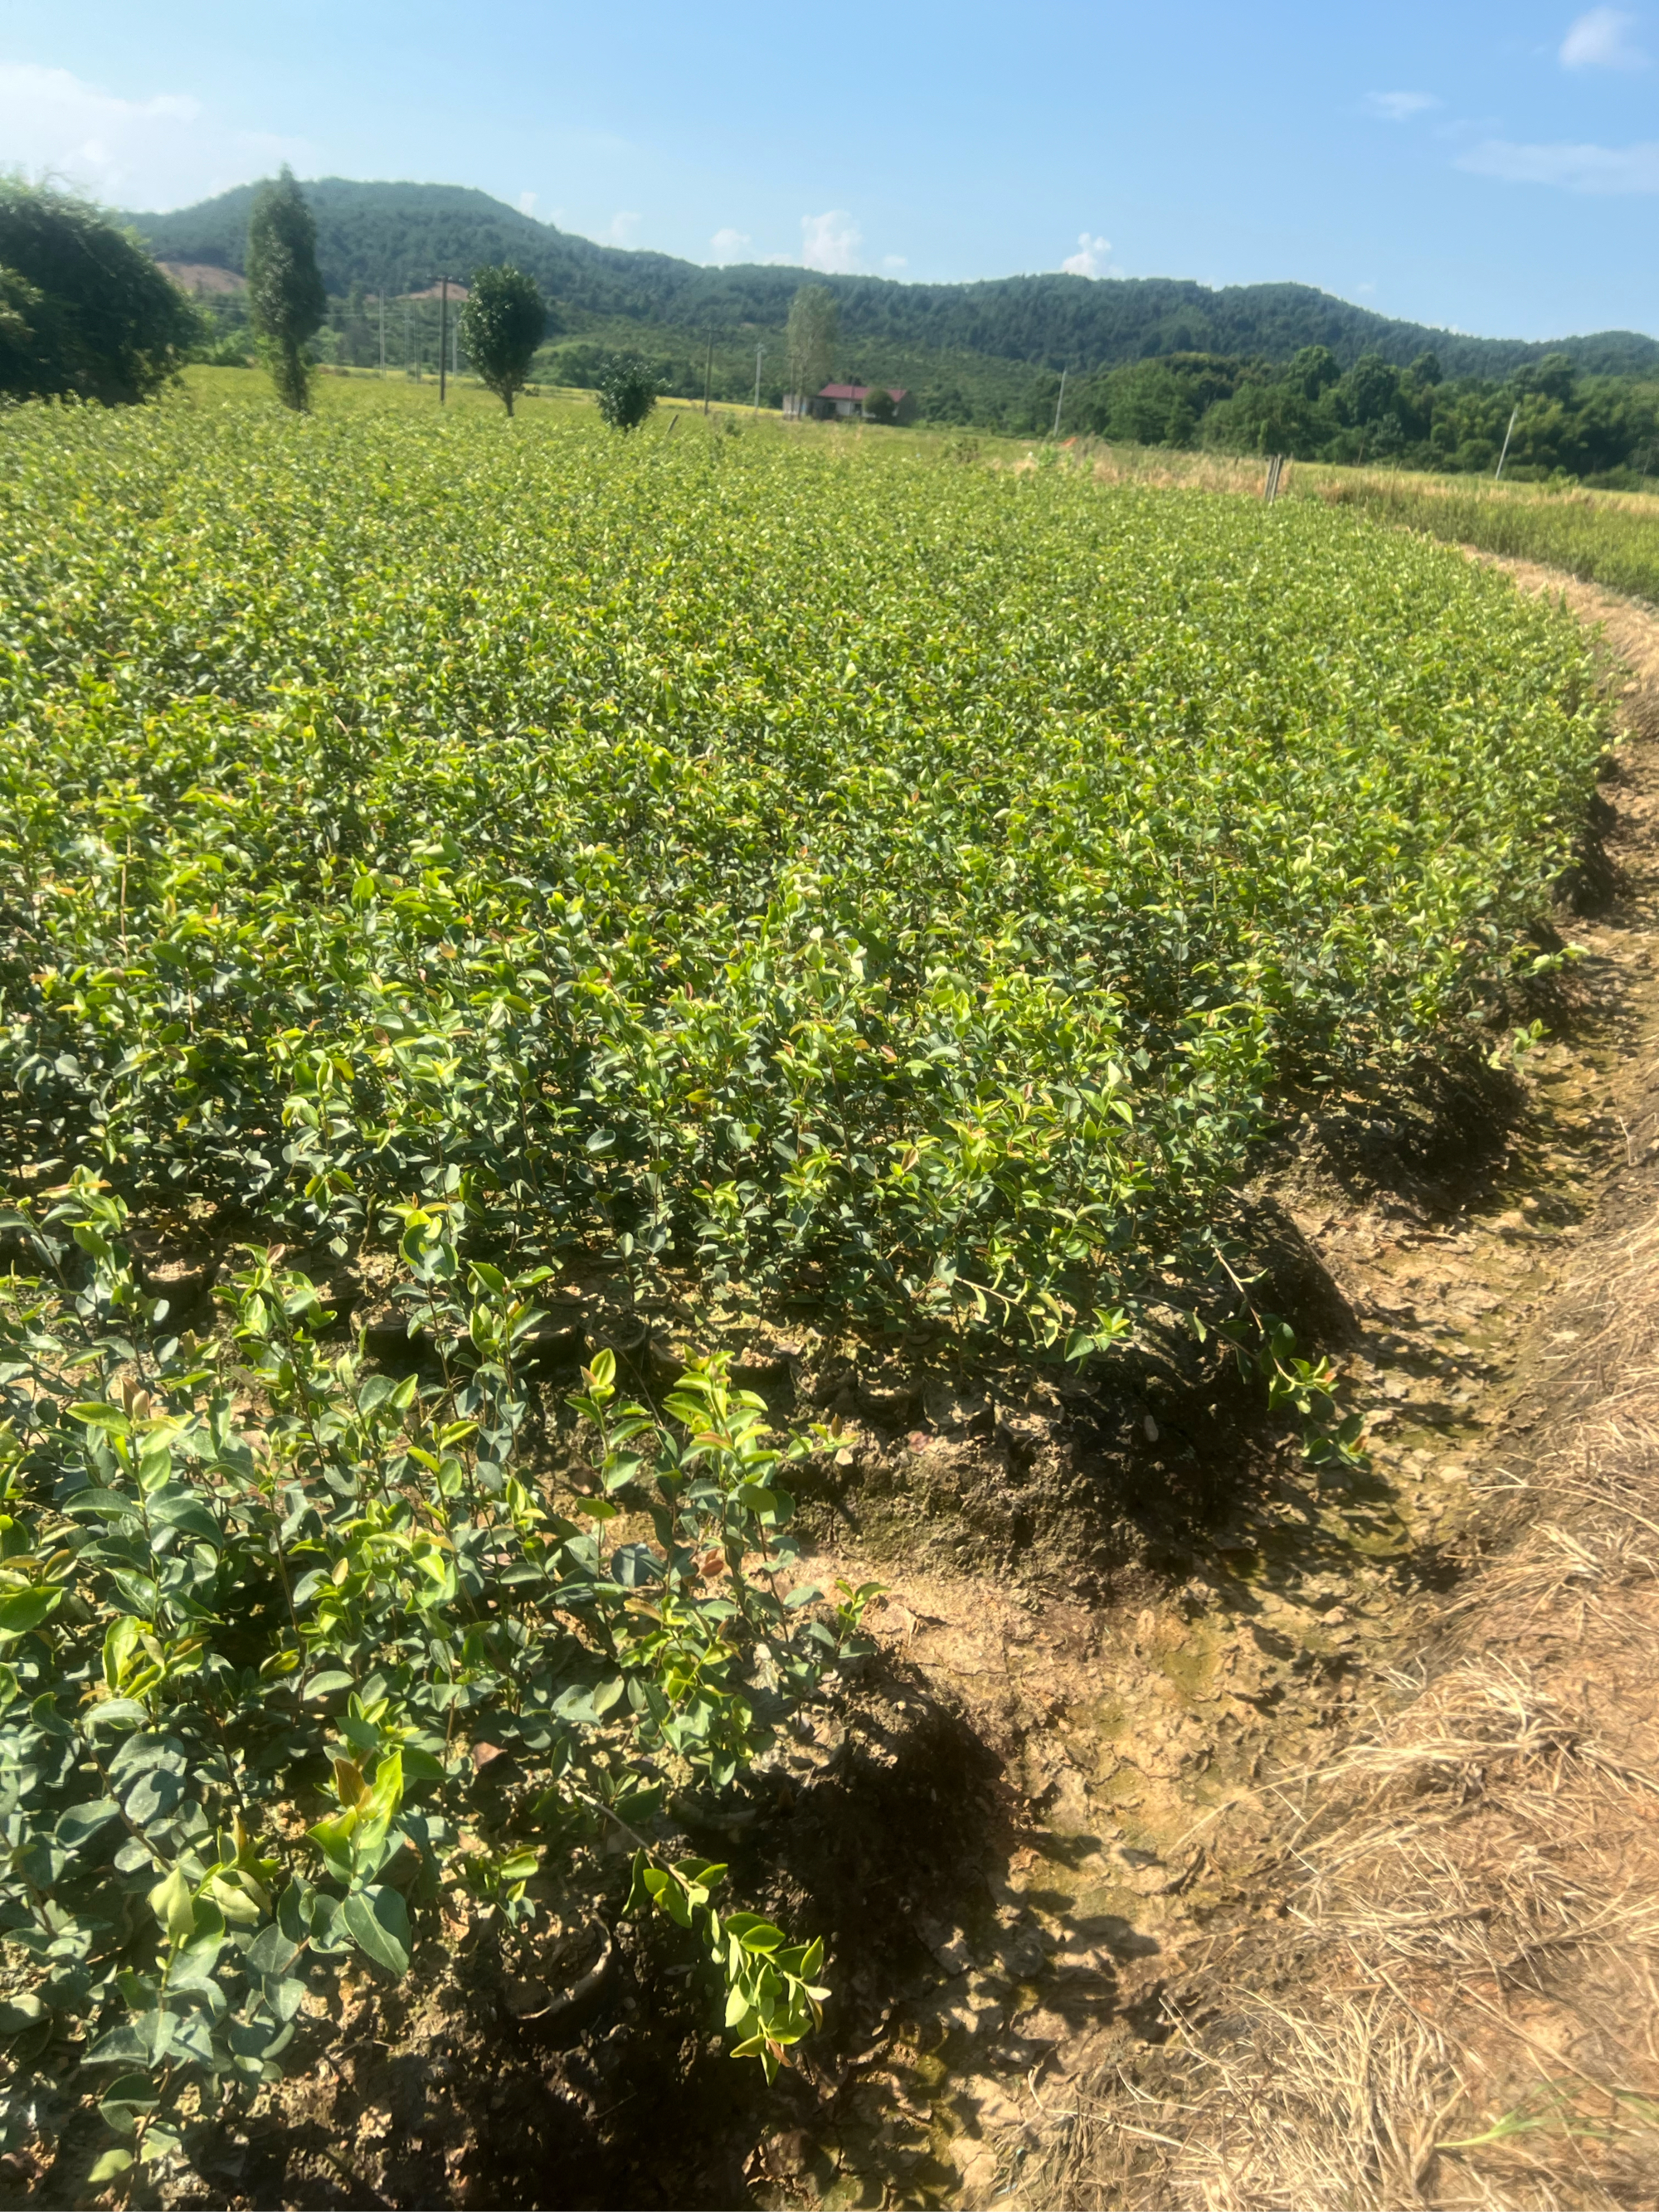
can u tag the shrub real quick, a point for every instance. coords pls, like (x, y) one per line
(348, 1596)
(628, 390)
(84, 312)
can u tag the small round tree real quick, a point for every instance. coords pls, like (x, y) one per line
(879, 405)
(501, 325)
(84, 312)
(285, 297)
(627, 389)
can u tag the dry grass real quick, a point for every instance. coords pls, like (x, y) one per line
(1459, 2006)
(1166, 466)
(1154, 465)
(1335, 483)
(1159, 467)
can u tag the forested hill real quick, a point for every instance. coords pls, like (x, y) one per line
(403, 236)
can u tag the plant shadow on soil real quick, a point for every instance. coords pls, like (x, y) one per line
(1090, 1486)
(432, 2094)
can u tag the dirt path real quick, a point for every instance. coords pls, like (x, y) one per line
(1208, 1954)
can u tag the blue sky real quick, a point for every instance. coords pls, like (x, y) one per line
(1493, 168)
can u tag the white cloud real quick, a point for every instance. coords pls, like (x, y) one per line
(1575, 169)
(623, 227)
(830, 242)
(162, 152)
(526, 203)
(1090, 259)
(895, 261)
(1399, 106)
(1602, 39)
(728, 244)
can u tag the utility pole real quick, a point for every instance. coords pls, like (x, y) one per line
(443, 339)
(759, 350)
(383, 325)
(1058, 403)
(708, 370)
(1507, 434)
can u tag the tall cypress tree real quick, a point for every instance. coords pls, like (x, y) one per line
(810, 340)
(285, 297)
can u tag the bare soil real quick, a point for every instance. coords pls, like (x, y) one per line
(202, 276)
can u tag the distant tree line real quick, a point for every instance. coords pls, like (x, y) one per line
(962, 389)
(1604, 429)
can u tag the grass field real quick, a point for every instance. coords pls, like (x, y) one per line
(1606, 537)
(482, 860)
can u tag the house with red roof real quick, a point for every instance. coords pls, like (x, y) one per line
(849, 403)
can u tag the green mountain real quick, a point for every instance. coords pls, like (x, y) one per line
(401, 237)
